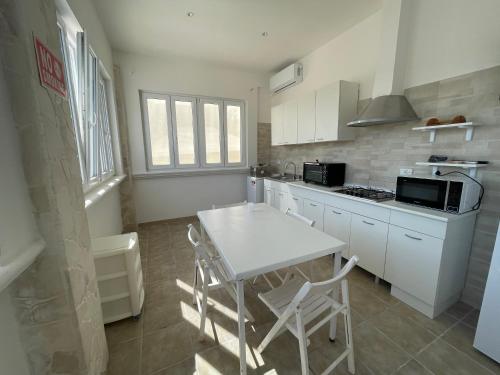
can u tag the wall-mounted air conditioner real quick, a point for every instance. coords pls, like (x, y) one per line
(286, 78)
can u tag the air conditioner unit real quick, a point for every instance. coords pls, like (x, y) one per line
(286, 78)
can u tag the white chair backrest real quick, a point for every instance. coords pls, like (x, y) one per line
(215, 206)
(324, 287)
(304, 219)
(198, 246)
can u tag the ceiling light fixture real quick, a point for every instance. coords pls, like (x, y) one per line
(190, 14)
(265, 34)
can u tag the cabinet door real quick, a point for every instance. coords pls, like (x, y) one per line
(306, 114)
(281, 199)
(369, 241)
(337, 223)
(314, 211)
(412, 262)
(277, 118)
(327, 113)
(296, 204)
(290, 123)
(269, 196)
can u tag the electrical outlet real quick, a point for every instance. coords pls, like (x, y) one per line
(405, 171)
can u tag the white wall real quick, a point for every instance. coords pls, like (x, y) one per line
(104, 216)
(352, 56)
(164, 198)
(450, 38)
(12, 357)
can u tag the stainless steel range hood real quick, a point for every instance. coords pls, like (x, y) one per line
(385, 109)
(389, 105)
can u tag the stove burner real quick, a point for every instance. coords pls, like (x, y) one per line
(377, 195)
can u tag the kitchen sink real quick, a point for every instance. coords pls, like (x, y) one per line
(286, 178)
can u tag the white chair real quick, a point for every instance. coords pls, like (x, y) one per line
(212, 276)
(215, 206)
(297, 304)
(306, 221)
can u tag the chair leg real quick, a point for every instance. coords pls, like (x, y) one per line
(195, 282)
(304, 361)
(204, 305)
(348, 327)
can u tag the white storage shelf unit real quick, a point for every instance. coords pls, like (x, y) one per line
(119, 275)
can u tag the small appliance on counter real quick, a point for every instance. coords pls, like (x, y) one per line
(454, 196)
(260, 170)
(326, 174)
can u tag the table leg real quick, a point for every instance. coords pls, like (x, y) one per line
(202, 230)
(241, 325)
(337, 265)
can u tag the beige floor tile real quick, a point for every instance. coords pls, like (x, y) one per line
(376, 351)
(461, 337)
(472, 318)
(365, 303)
(443, 359)
(124, 358)
(166, 347)
(459, 310)
(413, 368)
(407, 334)
(437, 325)
(322, 357)
(187, 367)
(123, 330)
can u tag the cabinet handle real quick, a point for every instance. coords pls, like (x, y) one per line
(319, 139)
(413, 238)
(367, 222)
(313, 205)
(295, 199)
(281, 194)
(310, 140)
(335, 212)
(285, 143)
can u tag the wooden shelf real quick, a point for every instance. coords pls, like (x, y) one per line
(435, 166)
(468, 126)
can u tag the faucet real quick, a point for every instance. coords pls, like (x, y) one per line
(287, 164)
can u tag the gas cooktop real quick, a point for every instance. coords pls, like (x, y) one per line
(377, 195)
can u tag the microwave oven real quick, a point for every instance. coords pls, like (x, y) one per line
(326, 174)
(454, 196)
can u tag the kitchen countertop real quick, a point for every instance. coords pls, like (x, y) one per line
(391, 204)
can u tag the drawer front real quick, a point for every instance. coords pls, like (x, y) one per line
(413, 262)
(337, 223)
(314, 211)
(296, 204)
(281, 200)
(420, 224)
(369, 242)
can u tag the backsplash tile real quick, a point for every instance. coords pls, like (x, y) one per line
(376, 155)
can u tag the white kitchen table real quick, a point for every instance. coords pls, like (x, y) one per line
(254, 239)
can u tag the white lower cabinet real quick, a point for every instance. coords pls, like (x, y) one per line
(337, 223)
(368, 241)
(314, 211)
(281, 199)
(296, 204)
(412, 262)
(269, 196)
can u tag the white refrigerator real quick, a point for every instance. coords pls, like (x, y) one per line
(488, 330)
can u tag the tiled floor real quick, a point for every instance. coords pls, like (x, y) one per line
(389, 337)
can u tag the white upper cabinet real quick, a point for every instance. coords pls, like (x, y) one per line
(306, 112)
(277, 120)
(336, 105)
(290, 123)
(318, 116)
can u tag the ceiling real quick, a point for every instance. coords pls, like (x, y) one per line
(229, 32)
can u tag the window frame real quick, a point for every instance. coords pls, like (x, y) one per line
(194, 112)
(147, 134)
(243, 149)
(201, 131)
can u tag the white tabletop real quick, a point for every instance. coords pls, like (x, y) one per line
(255, 238)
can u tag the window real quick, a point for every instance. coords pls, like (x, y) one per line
(193, 132)
(88, 93)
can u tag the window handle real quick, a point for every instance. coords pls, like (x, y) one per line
(336, 212)
(413, 238)
(367, 222)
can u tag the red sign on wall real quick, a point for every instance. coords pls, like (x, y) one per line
(50, 69)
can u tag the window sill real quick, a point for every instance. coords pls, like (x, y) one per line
(99, 191)
(191, 172)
